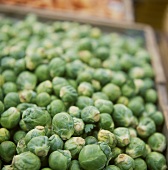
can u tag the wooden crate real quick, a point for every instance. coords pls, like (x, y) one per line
(108, 26)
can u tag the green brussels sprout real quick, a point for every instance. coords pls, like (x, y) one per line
(9, 76)
(11, 100)
(33, 117)
(42, 72)
(151, 96)
(90, 140)
(123, 136)
(119, 78)
(157, 117)
(55, 143)
(9, 87)
(140, 164)
(85, 56)
(90, 114)
(39, 146)
(2, 108)
(1, 94)
(156, 161)
(87, 154)
(112, 167)
(96, 85)
(74, 165)
(123, 100)
(74, 145)
(124, 162)
(63, 125)
(122, 115)
(134, 122)
(147, 150)
(85, 44)
(43, 99)
(74, 68)
(68, 94)
(126, 62)
(63, 158)
(102, 53)
(27, 96)
(78, 126)
(139, 85)
(5, 135)
(84, 76)
(85, 89)
(45, 86)
(112, 91)
(95, 63)
(148, 70)
(104, 106)
(7, 167)
(46, 169)
(99, 95)
(7, 150)
(20, 66)
(106, 122)
(10, 118)
(26, 160)
(73, 83)
(136, 106)
(2, 81)
(23, 106)
(150, 107)
(7, 62)
(21, 146)
(146, 127)
(116, 151)
(107, 137)
(136, 147)
(74, 111)
(37, 131)
(26, 80)
(56, 67)
(20, 134)
(157, 142)
(56, 106)
(102, 75)
(84, 101)
(95, 33)
(136, 73)
(128, 89)
(133, 132)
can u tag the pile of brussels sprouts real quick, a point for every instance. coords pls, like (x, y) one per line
(74, 98)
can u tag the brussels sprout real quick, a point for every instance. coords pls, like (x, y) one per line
(7, 62)
(23, 106)
(123, 136)
(96, 85)
(63, 125)
(2, 81)
(107, 137)
(136, 147)
(56, 67)
(150, 108)
(147, 150)
(46, 169)
(123, 100)
(157, 142)
(42, 72)
(85, 89)
(126, 62)
(56, 106)
(26, 160)
(124, 162)
(156, 161)
(136, 73)
(84, 101)
(27, 96)
(74, 145)
(102, 53)
(10, 118)
(90, 140)
(157, 117)
(78, 126)
(21, 146)
(11, 100)
(20, 134)
(95, 63)
(39, 145)
(90, 114)
(74, 165)
(85, 44)
(85, 56)
(116, 151)
(112, 167)
(26, 80)
(9, 87)
(134, 122)
(106, 122)
(73, 83)
(45, 86)
(74, 111)
(87, 154)
(102, 75)
(43, 99)
(122, 116)
(112, 91)
(20, 66)
(148, 70)
(1, 94)
(7, 150)
(68, 94)
(32, 117)
(1, 107)
(140, 164)
(119, 78)
(7, 167)
(151, 96)
(95, 33)
(63, 158)
(146, 127)
(55, 143)
(84, 76)
(9, 76)
(4, 135)
(133, 132)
